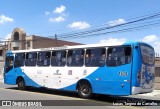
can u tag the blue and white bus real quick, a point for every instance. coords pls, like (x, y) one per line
(123, 69)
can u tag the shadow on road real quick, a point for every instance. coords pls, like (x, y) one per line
(96, 100)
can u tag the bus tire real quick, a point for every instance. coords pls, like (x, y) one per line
(84, 89)
(21, 84)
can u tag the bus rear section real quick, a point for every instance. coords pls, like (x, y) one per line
(113, 78)
(143, 69)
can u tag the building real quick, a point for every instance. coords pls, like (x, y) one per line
(20, 41)
(157, 73)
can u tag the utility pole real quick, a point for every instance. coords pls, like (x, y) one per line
(5, 49)
(56, 40)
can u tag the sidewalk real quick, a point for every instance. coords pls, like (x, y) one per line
(155, 95)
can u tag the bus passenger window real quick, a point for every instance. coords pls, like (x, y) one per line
(58, 58)
(95, 57)
(31, 59)
(19, 59)
(43, 58)
(75, 57)
(117, 56)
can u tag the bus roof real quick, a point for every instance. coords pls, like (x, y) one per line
(79, 46)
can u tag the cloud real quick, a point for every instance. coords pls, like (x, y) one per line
(57, 19)
(4, 19)
(116, 22)
(5, 39)
(150, 38)
(60, 9)
(7, 36)
(47, 13)
(154, 41)
(113, 41)
(79, 25)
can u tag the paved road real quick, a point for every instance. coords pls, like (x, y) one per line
(9, 92)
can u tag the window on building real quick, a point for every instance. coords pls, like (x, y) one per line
(58, 58)
(19, 59)
(75, 57)
(44, 58)
(157, 71)
(118, 56)
(1, 52)
(1, 55)
(15, 48)
(16, 36)
(28, 44)
(95, 57)
(31, 59)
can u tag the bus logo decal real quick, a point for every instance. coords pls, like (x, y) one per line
(85, 72)
(57, 73)
(69, 72)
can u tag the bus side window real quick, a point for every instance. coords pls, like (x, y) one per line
(19, 59)
(43, 58)
(31, 59)
(69, 58)
(102, 57)
(110, 58)
(117, 56)
(95, 57)
(58, 58)
(127, 54)
(75, 57)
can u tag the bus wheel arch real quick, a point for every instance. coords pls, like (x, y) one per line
(84, 88)
(21, 83)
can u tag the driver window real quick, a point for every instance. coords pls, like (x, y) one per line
(9, 63)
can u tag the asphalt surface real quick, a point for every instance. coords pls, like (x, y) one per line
(63, 99)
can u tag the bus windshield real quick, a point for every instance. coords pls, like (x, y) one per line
(147, 54)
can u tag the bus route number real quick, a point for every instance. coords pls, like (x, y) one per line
(123, 73)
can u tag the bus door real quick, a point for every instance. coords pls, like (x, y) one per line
(9, 63)
(119, 67)
(9, 70)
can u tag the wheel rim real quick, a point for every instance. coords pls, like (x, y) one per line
(85, 90)
(21, 84)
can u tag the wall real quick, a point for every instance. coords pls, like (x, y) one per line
(1, 69)
(157, 73)
(41, 42)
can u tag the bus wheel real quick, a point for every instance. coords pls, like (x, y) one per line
(21, 84)
(84, 90)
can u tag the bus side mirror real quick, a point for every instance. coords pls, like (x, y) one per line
(136, 47)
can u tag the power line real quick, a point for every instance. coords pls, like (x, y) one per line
(117, 31)
(98, 30)
(157, 15)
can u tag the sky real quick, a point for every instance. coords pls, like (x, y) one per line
(50, 17)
